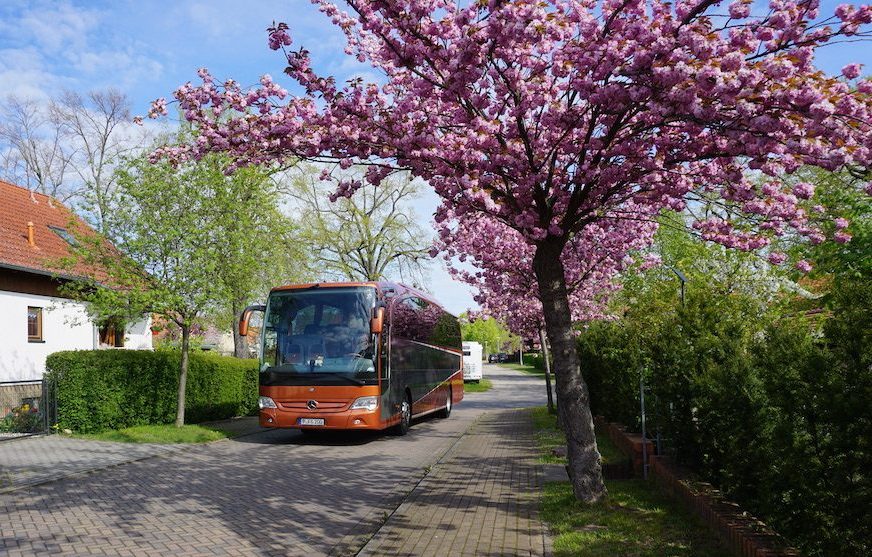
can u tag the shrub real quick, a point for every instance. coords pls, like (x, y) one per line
(113, 389)
(774, 409)
(22, 419)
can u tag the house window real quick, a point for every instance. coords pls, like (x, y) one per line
(65, 234)
(112, 334)
(34, 324)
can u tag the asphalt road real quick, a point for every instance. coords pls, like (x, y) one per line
(273, 493)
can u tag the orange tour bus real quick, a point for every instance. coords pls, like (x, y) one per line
(361, 355)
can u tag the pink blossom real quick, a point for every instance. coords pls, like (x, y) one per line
(777, 258)
(803, 266)
(556, 131)
(842, 237)
(740, 9)
(841, 223)
(852, 71)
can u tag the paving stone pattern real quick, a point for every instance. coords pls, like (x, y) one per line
(481, 499)
(35, 460)
(275, 493)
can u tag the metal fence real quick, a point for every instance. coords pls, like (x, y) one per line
(26, 408)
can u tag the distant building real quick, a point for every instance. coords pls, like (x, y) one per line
(35, 319)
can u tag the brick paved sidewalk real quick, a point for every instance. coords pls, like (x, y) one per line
(31, 461)
(481, 499)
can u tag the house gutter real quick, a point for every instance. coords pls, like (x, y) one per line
(33, 271)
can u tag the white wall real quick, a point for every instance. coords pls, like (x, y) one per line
(65, 326)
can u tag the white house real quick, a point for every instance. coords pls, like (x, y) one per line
(35, 319)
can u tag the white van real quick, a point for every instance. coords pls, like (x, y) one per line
(472, 361)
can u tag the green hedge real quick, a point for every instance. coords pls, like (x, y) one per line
(774, 408)
(113, 389)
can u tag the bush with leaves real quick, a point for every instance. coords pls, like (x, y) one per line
(113, 389)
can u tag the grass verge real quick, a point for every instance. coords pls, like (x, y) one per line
(529, 370)
(480, 387)
(637, 519)
(549, 436)
(163, 434)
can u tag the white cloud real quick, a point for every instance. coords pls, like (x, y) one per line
(58, 27)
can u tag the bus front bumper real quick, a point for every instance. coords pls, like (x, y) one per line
(348, 419)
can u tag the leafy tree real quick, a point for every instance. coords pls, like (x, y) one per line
(259, 246)
(553, 116)
(371, 236)
(190, 243)
(492, 334)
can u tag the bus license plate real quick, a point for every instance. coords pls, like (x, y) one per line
(311, 421)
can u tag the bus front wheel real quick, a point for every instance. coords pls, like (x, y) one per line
(402, 428)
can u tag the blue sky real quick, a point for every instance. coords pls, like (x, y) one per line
(148, 48)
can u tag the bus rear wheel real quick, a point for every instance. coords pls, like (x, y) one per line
(449, 402)
(402, 428)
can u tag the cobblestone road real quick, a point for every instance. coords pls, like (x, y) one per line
(274, 493)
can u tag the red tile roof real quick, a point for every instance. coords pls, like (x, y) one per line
(18, 206)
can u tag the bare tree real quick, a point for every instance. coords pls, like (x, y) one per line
(95, 124)
(69, 147)
(36, 153)
(371, 236)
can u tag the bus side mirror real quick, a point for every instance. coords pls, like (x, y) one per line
(246, 316)
(376, 324)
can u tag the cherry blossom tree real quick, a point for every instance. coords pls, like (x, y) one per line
(554, 116)
(508, 291)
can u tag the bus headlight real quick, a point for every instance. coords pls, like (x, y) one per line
(266, 402)
(365, 403)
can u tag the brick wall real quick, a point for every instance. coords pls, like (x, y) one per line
(11, 395)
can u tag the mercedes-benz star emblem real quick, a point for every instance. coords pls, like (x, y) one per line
(312, 404)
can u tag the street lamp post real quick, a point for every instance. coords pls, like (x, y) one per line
(683, 280)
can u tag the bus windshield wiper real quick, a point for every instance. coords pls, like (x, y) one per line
(330, 374)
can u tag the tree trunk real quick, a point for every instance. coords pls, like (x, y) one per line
(547, 359)
(574, 409)
(183, 375)
(240, 343)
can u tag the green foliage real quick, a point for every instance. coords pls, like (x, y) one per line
(493, 335)
(21, 419)
(535, 360)
(842, 194)
(774, 409)
(115, 389)
(260, 246)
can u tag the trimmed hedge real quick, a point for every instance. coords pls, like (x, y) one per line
(113, 389)
(773, 409)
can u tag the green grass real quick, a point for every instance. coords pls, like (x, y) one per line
(548, 435)
(480, 387)
(637, 519)
(163, 434)
(529, 370)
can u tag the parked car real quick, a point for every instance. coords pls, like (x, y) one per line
(502, 357)
(491, 358)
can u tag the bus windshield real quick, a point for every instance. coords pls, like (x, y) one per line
(319, 334)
